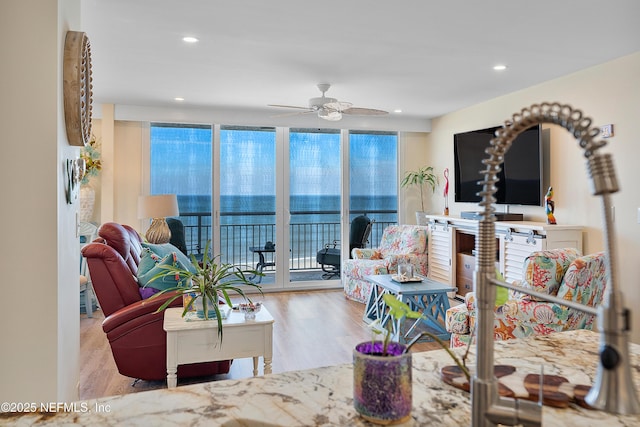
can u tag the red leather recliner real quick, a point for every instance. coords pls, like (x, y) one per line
(138, 341)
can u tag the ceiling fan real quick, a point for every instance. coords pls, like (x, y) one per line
(330, 108)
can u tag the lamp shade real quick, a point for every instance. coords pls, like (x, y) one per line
(158, 206)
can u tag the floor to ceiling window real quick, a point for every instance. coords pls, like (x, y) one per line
(238, 182)
(314, 195)
(247, 196)
(373, 179)
(180, 159)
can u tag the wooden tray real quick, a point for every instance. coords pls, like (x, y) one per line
(557, 391)
(414, 279)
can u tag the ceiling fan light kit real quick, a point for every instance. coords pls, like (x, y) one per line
(332, 116)
(330, 108)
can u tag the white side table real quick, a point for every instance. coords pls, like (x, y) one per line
(197, 341)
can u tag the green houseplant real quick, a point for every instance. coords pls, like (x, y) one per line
(206, 282)
(420, 178)
(382, 381)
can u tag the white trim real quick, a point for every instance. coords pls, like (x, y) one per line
(283, 215)
(345, 206)
(215, 190)
(263, 117)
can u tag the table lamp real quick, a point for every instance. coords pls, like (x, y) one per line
(158, 207)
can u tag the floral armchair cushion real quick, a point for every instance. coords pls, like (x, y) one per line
(403, 239)
(544, 270)
(399, 243)
(583, 281)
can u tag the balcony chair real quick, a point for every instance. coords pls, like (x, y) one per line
(329, 256)
(399, 243)
(560, 272)
(134, 330)
(177, 234)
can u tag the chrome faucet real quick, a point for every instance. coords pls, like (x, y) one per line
(613, 390)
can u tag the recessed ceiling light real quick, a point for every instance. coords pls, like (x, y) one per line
(397, 110)
(499, 67)
(179, 99)
(189, 39)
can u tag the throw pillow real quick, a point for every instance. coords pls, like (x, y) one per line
(148, 260)
(149, 268)
(544, 270)
(585, 280)
(162, 250)
(376, 255)
(147, 292)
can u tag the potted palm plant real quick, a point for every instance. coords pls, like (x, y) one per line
(205, 283)
(420, 178)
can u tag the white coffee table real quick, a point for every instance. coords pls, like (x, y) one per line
(197, 341)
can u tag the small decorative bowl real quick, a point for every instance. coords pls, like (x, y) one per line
(250, 309)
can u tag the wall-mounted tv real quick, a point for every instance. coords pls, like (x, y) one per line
(521, 178)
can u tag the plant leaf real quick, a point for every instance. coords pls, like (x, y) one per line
(211, 281)
(399, 309)
(502, 293)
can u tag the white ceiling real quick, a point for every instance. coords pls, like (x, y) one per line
(426, 58)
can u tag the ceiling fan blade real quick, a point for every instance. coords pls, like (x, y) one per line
(297, 113)
(329, 108)
(337, 106)
(357, 111)
(290, 106)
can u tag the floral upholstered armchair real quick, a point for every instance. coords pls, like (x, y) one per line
(398, 244)
(560, 272)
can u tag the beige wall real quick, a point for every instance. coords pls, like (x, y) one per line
(132, 172)
(39, 312)
(124, 171)
(608, 93)
(412, 155)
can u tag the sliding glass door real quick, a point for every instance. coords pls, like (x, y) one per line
(314, 201)
(247, 207)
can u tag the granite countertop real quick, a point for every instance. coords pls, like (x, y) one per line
(323, 396)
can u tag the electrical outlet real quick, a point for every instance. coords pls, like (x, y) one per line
(606, 131)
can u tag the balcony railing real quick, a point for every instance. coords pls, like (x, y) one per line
(305, 238)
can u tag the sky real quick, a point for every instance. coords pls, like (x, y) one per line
(181, 162)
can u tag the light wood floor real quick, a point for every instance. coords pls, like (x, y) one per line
(311, 329)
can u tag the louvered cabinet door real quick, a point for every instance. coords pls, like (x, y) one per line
(440, 253)
(514, 249)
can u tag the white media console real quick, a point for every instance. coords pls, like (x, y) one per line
(452, 245)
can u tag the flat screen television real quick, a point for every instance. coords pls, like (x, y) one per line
(522, 171)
